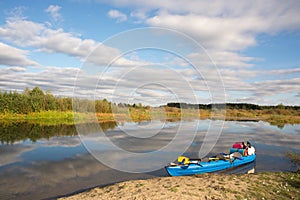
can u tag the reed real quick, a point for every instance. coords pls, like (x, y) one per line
(276, 117)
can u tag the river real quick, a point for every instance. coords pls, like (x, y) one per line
(41, 162)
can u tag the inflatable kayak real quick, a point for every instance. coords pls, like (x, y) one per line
(211, 165)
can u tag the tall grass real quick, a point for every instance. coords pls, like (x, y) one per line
(49, 117)
(275, 117)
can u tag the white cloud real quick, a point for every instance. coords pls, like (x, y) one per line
(58, 41)
(225, 29)
(22, 32)
(212, 33)
(223, 26)
(271, 87)
(30, 34)
(27, 33)
(282, 71)
(53, 10)
(221, 59)
(62, 84)
(270, 10)
(226, 33)
(115, 14)
(139, 16)
(150, 85)
(12, 56)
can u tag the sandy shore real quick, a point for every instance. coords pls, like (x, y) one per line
(206, 186)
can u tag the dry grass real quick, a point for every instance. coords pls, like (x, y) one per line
(278, 117)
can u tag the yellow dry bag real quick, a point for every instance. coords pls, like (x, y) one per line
(183, 160)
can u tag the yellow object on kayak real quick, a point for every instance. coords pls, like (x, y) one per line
(183, 160)
(213, 158)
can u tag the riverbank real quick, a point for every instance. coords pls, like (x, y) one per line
(268, 185)
(274, 117)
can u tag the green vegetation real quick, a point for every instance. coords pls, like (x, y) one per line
(276, 115)
(36, 100)
(49, 117)
(37, 106)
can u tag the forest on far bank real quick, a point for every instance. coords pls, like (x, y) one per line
(37, 100)
(239, 106)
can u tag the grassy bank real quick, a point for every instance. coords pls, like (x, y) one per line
(48, 117)
(275, 117)
(271, 185)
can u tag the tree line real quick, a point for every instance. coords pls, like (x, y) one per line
(238, 106)
(36, 100)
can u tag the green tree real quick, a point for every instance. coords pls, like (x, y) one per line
(103, 106)
(49, 101)
(26, 103)
(281, 106)
(1, 102)
(37, 97)
(67, 103)
(140, 105)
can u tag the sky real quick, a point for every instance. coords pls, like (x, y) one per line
(153, 52)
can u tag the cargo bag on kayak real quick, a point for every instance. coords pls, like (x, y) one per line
(238, 145)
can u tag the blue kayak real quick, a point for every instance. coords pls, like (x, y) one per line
(209, 166)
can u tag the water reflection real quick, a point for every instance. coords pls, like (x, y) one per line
(244, 169)
(44, 179)
(15, 132)
(120, 150)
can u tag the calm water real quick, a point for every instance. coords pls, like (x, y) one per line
(40, 162)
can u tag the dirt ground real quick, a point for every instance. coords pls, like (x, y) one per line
(207, 186)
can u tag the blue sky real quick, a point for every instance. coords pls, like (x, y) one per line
(153, 52)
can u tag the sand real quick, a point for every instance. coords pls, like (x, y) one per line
(206, 186)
